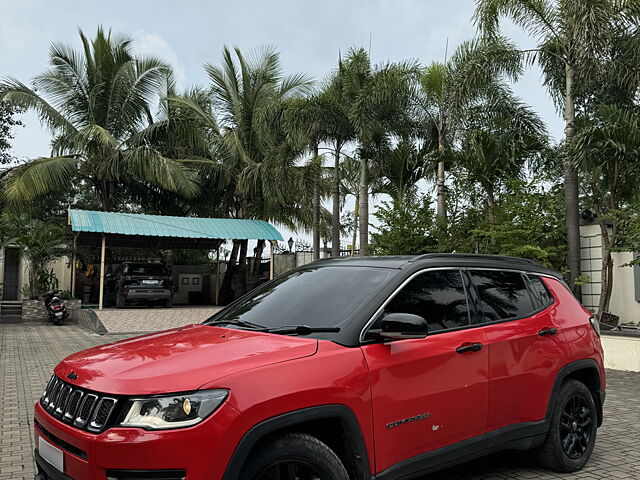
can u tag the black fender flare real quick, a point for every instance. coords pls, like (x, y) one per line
(297, 417)
(585, 364)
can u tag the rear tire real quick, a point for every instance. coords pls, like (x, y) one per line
(121, 302)
(293, 456)
(572, 433)
(168, 303)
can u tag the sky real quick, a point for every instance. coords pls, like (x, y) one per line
(308, 34)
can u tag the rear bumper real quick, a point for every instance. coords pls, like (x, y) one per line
(197, 453)
(149, 294)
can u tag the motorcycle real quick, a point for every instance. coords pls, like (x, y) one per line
(55, 307)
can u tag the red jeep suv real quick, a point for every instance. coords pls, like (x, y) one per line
(354, 368)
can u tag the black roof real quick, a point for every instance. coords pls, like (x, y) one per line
(469, 260)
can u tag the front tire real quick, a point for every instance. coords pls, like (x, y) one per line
(294, 456)
(572, 433)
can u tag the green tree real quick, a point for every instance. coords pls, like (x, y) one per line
(405, 227)
(501, 139)
(7, 123)
(255, 163)
(571, 37)
(606, 149)
(449, 89)
(95, 101)
(381, 110)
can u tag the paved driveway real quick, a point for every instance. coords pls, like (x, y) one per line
(29, 352)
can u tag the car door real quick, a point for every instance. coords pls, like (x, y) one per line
(525, 349)
(432, 392)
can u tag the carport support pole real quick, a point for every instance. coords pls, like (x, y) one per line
(103, 253)
(217, 273)
(271, 260)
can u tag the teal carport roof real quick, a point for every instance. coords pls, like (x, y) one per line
(141, 225)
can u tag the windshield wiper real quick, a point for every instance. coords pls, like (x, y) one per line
(302, 330)
(240, 323)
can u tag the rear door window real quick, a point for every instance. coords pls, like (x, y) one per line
(503, 295)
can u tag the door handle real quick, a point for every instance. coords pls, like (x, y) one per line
(547, 331)
(474, 347)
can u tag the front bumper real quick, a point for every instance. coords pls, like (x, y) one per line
(201, 452)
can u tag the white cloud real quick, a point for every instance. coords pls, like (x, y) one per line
(147, 43)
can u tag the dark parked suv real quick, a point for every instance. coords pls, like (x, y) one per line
(148, 283)
(344, 369)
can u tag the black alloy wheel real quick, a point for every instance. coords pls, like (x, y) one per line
(576, 426)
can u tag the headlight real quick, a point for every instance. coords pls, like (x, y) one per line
(173, 411)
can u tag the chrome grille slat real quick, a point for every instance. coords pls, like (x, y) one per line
(72, 405)
(76, 406)
(101, 413)
(63, 398)
(84, 412)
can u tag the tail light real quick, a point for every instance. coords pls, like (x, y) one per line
(595, 324)
(56, 307)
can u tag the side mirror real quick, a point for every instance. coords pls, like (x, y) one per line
(403, 325)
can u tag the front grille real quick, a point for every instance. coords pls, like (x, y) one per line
(76, 406)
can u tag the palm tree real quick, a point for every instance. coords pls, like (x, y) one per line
(95, 102)
(449, 89)
(571, 37)
(381, 111)
(321, 118)
(500, 137)
(255, 160)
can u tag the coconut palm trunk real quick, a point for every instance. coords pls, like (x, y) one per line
(226, 288)
(364, 208)
(335, 218)
(356, 217)
(440, 179)
(316, 212)
(571, 203)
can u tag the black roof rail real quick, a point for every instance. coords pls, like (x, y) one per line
(478, 256)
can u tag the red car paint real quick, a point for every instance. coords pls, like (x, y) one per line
(453, 396)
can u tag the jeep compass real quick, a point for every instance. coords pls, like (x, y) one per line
(356, 368)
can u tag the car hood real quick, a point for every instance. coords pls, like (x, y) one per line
(178, 360)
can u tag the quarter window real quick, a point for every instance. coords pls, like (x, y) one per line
(437, 296)
(540, 293)
(503, 295)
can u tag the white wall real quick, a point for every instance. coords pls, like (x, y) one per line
(621, 353)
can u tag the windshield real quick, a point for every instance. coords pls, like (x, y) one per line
(320, 296)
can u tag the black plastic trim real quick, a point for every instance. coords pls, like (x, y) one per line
(523, 436)
(584, 364)
(175, 474)
(291, 419)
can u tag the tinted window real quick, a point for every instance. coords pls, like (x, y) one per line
(503, 295)
(540, 293)
(313, 296)
(437, 296)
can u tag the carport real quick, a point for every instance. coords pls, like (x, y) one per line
(134, 230)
